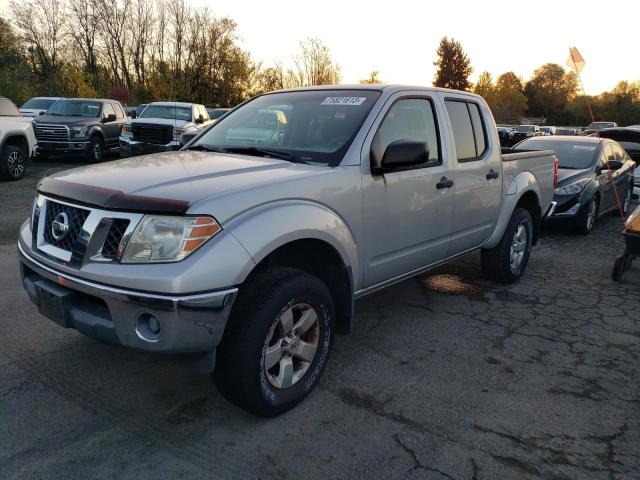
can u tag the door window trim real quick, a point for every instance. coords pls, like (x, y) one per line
(483, 154)
(430, 101)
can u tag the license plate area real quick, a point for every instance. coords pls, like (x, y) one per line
(54, 302)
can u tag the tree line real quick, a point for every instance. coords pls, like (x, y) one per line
(551, 93)
(138, 51)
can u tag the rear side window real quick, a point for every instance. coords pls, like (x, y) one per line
(408, 119)
(119, 111)
(469, 131)
(107, 110)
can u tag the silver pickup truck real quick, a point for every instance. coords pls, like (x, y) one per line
(247, 249)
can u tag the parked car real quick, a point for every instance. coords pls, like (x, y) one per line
(566, 131)
(526, 131)
(84, 126)
(216, 113)
(37, 106)
(251, 253)
(548, 131)
(588, 169)
(595, 127)
(629, 139)
(506, 135)
(16, 141)
(160, 126)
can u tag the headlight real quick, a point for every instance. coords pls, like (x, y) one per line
(78, 131)
(168, 239)
(126, 129)
(572, 188)
(177, 132)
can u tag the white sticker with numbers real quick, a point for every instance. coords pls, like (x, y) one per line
(343, 101)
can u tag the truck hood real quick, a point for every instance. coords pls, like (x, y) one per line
(168, 182)
(162, 121)
(62, 120)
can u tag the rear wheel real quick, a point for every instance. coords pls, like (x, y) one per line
(507, 261)
(13, 162)
(586, 219)
(277, 342)
(626, 204)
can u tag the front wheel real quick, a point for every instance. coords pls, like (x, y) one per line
(277, 342)
(13, 163)
(506, 262)
(586, 219)
(95, 153)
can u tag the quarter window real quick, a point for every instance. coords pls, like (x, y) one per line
(469, 132)
(408, 119)
(107, 110)
(119, 111)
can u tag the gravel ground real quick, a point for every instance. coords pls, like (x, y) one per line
(445, 376)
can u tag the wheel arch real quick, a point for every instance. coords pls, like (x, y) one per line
(16, 140)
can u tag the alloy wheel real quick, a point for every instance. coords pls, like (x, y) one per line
(291, 345)
(15, 164)
(518, 247)
(591, 214)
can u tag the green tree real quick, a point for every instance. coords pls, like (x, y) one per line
(550, 89)
(453, 66)
(485, 88)
(510, 101)
(15, 77)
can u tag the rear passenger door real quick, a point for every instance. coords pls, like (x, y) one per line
(407, 213)
(478, 167)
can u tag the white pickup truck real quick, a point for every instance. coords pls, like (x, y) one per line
(248, 248)
(17, 141)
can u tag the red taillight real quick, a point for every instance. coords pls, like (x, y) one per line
(555, 172)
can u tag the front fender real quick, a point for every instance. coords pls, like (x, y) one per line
(522, 183)
(265, 228)
(95, 130)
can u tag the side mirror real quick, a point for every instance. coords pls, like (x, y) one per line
(133, 115)
(403, 153)
(42, 112)
(200, 119)
(109, 118)
(187, 137)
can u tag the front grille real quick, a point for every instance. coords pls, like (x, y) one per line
(155, 134)
(114, 237)
(51, 133)
(76, 218)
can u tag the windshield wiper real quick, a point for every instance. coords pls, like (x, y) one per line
(207, 148)
(263, 152)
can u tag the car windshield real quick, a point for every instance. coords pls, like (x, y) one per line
(599, 125)
(306, 126)
(75, 108)
(167, 111)
(570, 155)
(525, 129)
(39, 103)
(215, 113)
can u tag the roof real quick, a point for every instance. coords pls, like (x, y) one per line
(174, 104)
(89, 99)
(565, 139)
(376, 87)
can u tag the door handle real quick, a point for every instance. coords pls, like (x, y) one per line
(444, 183)
(492, 175)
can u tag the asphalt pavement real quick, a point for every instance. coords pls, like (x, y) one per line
(445, 376)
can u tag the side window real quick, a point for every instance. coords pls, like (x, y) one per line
(479, 130)
(619, 152)
(119, 112)
(107, 110)
(462, 130)
(204, 113)
(409, 119)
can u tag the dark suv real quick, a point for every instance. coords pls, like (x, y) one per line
(79, 125)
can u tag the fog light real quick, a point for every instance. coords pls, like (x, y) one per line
(148, 327)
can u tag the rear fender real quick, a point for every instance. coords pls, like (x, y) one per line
(523, 182)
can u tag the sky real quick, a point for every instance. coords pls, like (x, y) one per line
(399, 38)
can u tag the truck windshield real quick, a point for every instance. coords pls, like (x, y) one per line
(167, 111)
(75, 108)
(574, 156)
(306, 126)
(39, 103)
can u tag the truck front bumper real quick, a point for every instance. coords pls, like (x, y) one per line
(129, 147)
(43, 147)
(144, 321)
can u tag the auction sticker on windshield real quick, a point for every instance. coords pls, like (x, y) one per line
(343, 101)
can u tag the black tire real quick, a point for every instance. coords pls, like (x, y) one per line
(13, 163)
(496, 262)
(626, 201)
(241, 375)
(95, 151)
(582, 224)
(618, 269)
